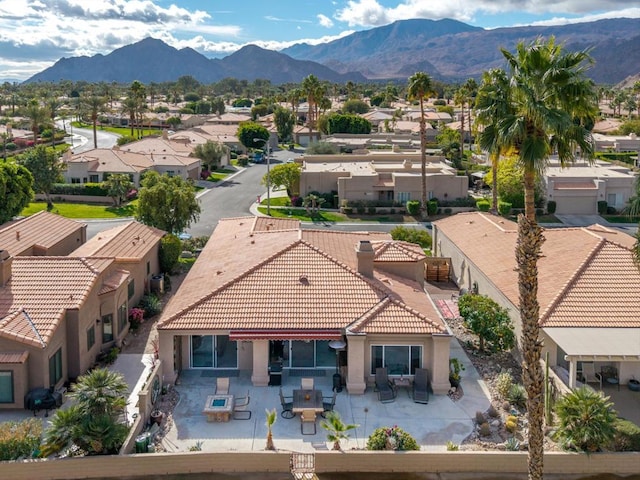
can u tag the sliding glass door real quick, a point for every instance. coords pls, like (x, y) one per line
(213, 351)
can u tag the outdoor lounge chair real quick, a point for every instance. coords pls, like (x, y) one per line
(287, 406)
(609, 376)
(421, 386)
(327, 406)
(386, 390)
(589, 374)
(222, 386)
(240, 411)
(306, 383)
(308, 417)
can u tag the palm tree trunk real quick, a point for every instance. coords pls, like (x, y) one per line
(462, 130)
(529, 194)
(95, 135)
(423, 158)
(528, 250)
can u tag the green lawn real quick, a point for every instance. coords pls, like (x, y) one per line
(621, 219)
(218, 175)
(335, 217)
(81, 210)
(276, 201)
(123, 131)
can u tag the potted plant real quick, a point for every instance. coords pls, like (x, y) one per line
(634, 385)
(455, 367)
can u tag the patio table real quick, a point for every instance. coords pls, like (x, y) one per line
(403, 382)
(307, 400)
(218, 408)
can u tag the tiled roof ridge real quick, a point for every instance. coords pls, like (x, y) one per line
(339, 232)
(572, 280)
(400, 245)
(39, 341)
(490, 219)
(230, 282)
(369, 315)
(606, 239)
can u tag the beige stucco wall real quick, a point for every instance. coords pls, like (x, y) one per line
(20, 385)
(411, 270)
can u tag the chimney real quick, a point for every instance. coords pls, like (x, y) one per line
(165, 134)
(364, 255)
(5, 267)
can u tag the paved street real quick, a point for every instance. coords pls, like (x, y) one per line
(81, 139)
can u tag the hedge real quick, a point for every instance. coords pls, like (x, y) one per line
(504, 208)
(551, 207)
(602, 207)
(413, 207)
(92, 189)
(483, 205)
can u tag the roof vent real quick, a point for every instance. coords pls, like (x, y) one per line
(304, 280)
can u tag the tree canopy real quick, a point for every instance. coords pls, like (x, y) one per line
(46, 168)
(347, 123)
(16, 190)
(491, 322)
(118, 185)
(167, 203)
(285, 122)
(248, 131)
(285, 175)
(355, 105)
(210, 153)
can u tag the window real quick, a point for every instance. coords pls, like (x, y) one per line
(404, 197)
(91, 337)
(75, 180)
(132, 288)
(94, 179)
(122, 317)
(171, 173)
(6, 387)
(398, 359)
(55, 367)
(612, 199)
(148, 268)
(107, 328)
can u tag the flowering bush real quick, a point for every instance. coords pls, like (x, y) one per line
(131, 194)
(391, 438)
(136, 317)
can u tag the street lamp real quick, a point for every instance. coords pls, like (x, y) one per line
(266, 143)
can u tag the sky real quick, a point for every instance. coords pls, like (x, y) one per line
(34, 34)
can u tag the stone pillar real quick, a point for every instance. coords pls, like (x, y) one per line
(356, 383)
(260, 372)
(166, 354)
(440, 363)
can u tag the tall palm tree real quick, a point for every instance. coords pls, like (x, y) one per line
(492, 104)
(419, 88)
(53, 105)
(311, 89)
(550, 97)
(37, 115)
(95, 105)
(271, 416)
(130, 107)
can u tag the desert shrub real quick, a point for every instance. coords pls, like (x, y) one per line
(483, 205)
(243, 160)
(511, 424)
(539, 212)
(371, 210)
(412, 235)
(627, 436)
(447, 211)
(512, 444)
(517, 395)
(485, 429)
(452, 447)
(413, 207)
(111, 355)
(492, 412)
(551, 207)
(151, 305)
(480, 418)
(170, 248)
(11, 147)
(504, 208)
(602, 207)
(136, 317)
(347, 210)
(391, 438)
(194, 243)
(504, 383)
(19, 439)
(432, 207)
(576, 433)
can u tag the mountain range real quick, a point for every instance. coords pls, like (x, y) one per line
(446, 49)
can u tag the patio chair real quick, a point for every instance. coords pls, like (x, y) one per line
(386, 390)
(421, 386)
(222, 386)
(306, 383)
(240, 411)
(327, 406)
(609, 375)
(308, 417)
(287, 406)
(589, 374)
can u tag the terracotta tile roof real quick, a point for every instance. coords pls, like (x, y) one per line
(42, 229)
(276, 280)
(131, 241)
(13, 357)
(567, 253)
(396, 251)
(614, 236)
(265, 224)
(112, 160)
(113, 281)
(41, 289)
(341, 245)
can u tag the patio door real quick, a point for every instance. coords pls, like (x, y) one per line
(213, 351)
(308, 354)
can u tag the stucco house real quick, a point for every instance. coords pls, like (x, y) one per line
(263, 290)
(578, 188)
(381, 176)
(62, 304)
(588, 287)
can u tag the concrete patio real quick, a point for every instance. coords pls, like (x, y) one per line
(432, 424)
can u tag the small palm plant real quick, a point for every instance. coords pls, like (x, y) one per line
(271, 419)
(587, 420)
(337, 429)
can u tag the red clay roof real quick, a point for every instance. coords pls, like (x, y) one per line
(131, 241)
(582, 273)
(275, 280)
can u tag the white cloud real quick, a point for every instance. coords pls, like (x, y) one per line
(368, 13)
(324, 21)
